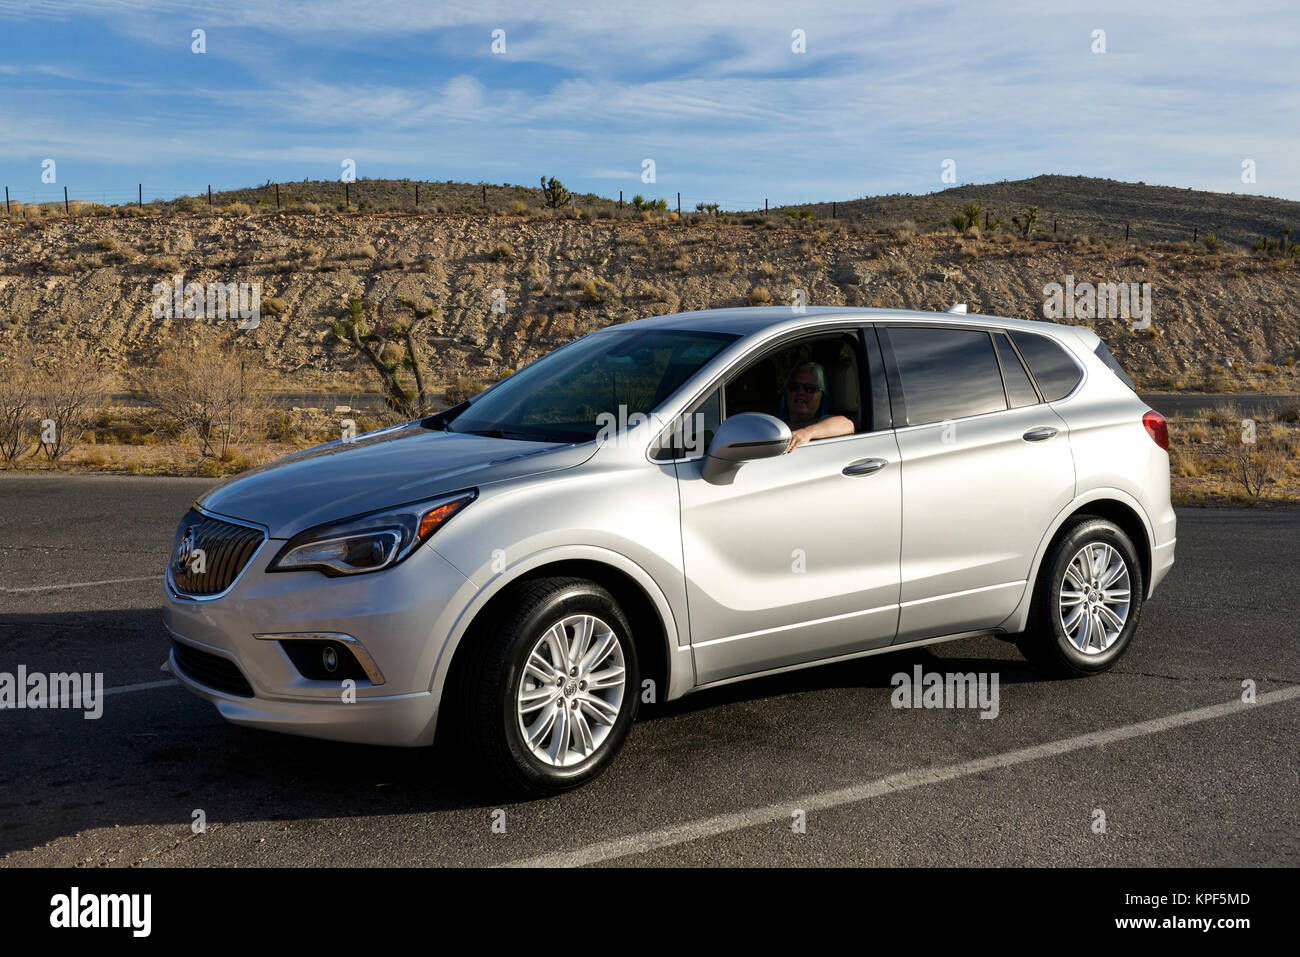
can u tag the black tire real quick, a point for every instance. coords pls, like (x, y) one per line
(487, 677)
(1045, 642)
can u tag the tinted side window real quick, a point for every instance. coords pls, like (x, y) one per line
(946, 373)
(1054, 371)
(1019, 389)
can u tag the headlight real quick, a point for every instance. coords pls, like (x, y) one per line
(369, 542)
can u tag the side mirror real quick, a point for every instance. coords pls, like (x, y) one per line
(741, 438)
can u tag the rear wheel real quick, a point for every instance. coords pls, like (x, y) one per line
(1086, 601)
(547, 692)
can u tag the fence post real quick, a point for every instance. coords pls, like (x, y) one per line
(140, 195)
(679, 203)
(1053, 227)
(347, 196)
(277, 195)
(1194, 231)
(620, 199)
(66, 211)
(6, 200)
(1126, 232)
(417, 195)
(485, 197)
(209, 194)
(764, 205)
(832, 209)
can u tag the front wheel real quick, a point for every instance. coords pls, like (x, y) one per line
(1086, 602)
(548, 690)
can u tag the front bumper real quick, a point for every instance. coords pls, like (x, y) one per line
(401, 616)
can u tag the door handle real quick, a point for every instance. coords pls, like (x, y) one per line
(865, 466)
(1039, 434)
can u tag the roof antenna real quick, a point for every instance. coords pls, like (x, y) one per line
(959, 307)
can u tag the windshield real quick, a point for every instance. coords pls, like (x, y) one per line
(577, 391)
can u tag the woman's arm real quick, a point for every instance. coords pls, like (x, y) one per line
(826, 428)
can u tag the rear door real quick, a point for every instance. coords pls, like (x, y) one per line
(986, 467)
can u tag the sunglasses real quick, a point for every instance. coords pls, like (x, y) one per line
(808, 388)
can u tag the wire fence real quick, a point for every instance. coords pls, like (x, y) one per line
(415, 194)
(451, 197)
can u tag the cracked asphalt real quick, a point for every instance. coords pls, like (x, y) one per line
(123, 790)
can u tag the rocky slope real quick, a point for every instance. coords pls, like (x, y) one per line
(1226, 320)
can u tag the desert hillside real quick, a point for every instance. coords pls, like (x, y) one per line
(1224, 320)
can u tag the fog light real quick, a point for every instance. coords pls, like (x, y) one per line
(329, 658)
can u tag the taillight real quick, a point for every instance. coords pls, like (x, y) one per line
(1157, 428)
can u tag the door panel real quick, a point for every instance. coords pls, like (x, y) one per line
(977, 498)
(795, 560)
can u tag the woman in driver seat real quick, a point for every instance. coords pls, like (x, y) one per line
(806, 406)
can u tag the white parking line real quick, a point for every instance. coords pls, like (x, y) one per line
(106, 581)
(78, 701)
(725, 823)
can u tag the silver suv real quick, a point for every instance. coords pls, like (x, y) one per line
(673, 504)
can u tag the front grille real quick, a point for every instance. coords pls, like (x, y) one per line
(225, 549)
(211, 670)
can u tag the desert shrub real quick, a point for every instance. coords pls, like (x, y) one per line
(682, 264)
(503, 251)
(760, 296)
(1253, 458)
(725, 263)
(273, 306)
(517, 207)
(237, 209)
(462, 388)
(17, 399)
(68, 390)
(207, 392)
(596, 291)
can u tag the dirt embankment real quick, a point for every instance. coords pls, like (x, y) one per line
(510, 288)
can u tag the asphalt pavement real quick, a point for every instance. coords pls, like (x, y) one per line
(1156, 763)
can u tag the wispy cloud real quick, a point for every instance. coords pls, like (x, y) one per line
(713, 93)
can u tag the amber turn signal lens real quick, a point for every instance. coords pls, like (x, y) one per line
(433, 519)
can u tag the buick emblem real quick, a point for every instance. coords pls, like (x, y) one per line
(185, 550)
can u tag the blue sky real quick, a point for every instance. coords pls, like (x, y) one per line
(712, 92)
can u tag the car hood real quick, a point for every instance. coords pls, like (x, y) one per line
(378, 470)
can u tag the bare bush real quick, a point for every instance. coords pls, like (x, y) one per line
(208, 393)
(17, 399)
(69, 393)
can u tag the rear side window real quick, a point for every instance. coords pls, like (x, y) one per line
(1020, 391)
(946, 373)
(1113, 365)
(1054, 371)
